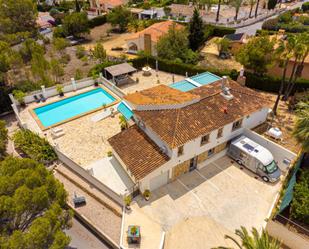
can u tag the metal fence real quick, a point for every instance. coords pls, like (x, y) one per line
(293, 226)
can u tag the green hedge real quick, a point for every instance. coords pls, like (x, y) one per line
(34, 146)
(178, 68)
(3, 138)
(97, 21)
(271, 84)
(222, 31)
(300, 203)
(305, 7)
(5, 102)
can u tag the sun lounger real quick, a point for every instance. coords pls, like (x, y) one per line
(101, 115)
(57, 132)
(37, 100)
(43, 99)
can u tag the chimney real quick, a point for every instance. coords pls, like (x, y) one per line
(225, 90)
(223, 82)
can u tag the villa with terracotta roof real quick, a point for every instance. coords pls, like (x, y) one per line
(146, 40)
(100, 6)
(176, 131)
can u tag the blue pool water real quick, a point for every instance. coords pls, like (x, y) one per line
(205, 78)
(67, 108)
(183, 86)
(125, 111)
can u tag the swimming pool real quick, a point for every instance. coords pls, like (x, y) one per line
(68, 108)
(183, 86)
(205, 78)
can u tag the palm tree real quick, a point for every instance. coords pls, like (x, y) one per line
(257, 8)
(218, 11)
(301, 52)
(256, 241)
(301, 129)
(252, 2)
(284, 54)
(236, 4)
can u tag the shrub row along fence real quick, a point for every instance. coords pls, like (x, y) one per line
(178, 68)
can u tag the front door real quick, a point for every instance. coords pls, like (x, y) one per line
(193, 163)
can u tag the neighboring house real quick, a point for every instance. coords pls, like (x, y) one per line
(277, 71)
(100, 6)
(44, 20)
(176, 132)
(146, 40)
(184, 10)
(237, 40)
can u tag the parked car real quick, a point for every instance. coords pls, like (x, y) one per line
(75, 40)
(254, 157)
(44, 31)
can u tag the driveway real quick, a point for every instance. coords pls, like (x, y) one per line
(221, 191)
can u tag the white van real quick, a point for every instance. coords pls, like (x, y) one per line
(254, 157)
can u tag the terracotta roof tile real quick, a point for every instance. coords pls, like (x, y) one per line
(139, 153)
(160, 95)
(178, 126)
(156, 30)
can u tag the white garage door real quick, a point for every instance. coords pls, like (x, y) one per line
(158, 181)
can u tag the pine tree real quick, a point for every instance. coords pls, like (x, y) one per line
(196, 34)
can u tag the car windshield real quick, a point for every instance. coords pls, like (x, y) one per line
(272, 167)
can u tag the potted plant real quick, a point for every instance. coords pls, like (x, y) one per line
(95, 78)
(19, 96)
(133, 230)
(127, 201)
(59, 89)
(146, 194)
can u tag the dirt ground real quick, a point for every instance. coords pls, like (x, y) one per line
(211, 57)
(109, 41)
(285, 121)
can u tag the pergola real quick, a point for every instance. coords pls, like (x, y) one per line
(119, 73)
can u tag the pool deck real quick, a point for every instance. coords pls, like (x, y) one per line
(43, 128)
(85, 141)
(145, 82)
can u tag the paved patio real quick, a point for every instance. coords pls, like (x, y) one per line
(222, 192)
(154, 79)
(85, 140)
(109, 171)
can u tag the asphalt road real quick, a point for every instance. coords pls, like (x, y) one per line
(251, 29)
(82, 238)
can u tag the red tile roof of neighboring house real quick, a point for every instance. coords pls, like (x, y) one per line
(139, 153)
(113, 2)
(156, 30)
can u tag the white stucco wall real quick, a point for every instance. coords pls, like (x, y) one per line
(140, 42)
(193, 147)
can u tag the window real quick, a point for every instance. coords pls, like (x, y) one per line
(220, 131)
(211, 152)
(180, 150)
(236, 125)
(205, 139)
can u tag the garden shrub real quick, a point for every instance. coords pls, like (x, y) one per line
(3, 138)
(288, 23)
(305, 7)
(34, 146)
(222, 31)
(97, 69)
(271, 84)
(300, 203)
(97, 21)
(271, 24)
(177, 67)
(5, 102)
